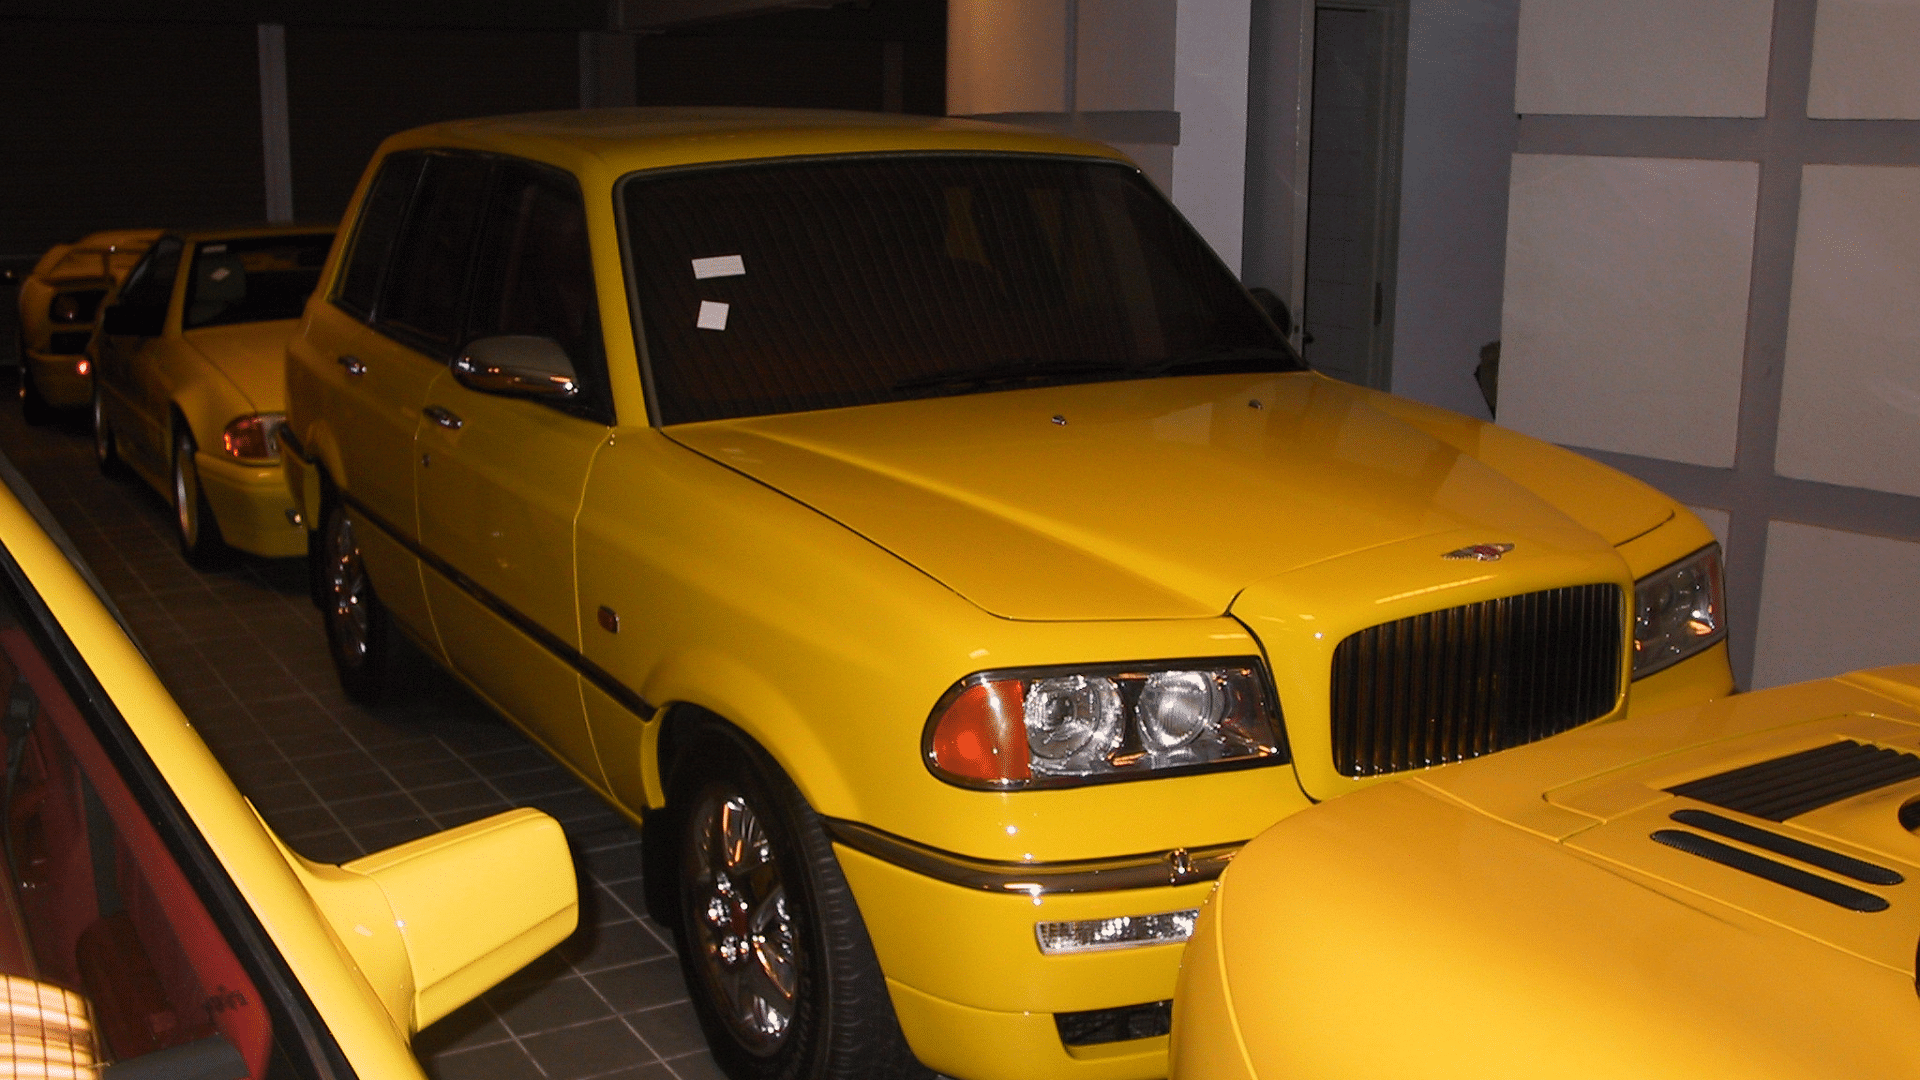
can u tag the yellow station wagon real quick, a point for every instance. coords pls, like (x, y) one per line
(152, 925)
(916, 526)
(1728, 891)
(189, 381)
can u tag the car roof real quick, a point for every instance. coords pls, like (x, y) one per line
(619, 141)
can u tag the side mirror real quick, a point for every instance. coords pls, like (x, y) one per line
(122, 320)
(518, 365)
(435, 922)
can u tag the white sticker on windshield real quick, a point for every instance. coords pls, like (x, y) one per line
(719, 266)
(221, 274)
(213, 249)
(713, 315)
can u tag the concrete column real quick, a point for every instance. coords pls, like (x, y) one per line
(606, 70)
(275, 140)
(1210, 96)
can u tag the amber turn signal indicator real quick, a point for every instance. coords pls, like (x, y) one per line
(981, 736)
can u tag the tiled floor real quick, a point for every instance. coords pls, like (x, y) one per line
(242, 649)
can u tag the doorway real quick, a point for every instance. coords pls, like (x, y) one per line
(1353, 187)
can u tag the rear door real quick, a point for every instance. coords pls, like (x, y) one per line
(393, 322)
(499, 478)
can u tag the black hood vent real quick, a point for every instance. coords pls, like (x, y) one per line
(1793, 785)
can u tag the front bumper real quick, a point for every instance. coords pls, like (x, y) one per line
(58, 378)
(252, 506)
(976, 997)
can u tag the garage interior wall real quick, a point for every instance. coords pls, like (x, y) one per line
(1163, 80)
(1712, 254)
(1456, 152)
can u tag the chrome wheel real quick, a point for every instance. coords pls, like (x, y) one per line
(746, 942)
(186, 493)
(103, 448)
(349, 613)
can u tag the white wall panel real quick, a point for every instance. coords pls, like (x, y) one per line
(1717, 521)
(1835, 601)
(1644, 57)
(1850, 398)
(1863, 60)
(1210, 92)
(1624, 323)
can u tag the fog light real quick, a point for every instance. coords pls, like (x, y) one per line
(1124, 932)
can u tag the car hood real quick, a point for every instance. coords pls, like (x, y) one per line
(253, 356)
(1828, 766)
(1166, 498)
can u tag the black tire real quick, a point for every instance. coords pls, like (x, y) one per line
(777, 960)
(193, 521)
(33, 407)
(106, 451)
(357, 624)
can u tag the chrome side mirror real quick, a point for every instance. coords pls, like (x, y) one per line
(518, 365)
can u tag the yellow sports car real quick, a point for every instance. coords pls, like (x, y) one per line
(155, 927)
(1727, 891)
(921, 531)
(190, 381)
(58, 304)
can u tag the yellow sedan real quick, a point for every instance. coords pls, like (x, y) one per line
(153, 925)
(1727, 891)
(916, 526)
(189, 381)
(59, 301)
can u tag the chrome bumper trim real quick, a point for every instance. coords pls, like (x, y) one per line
(1154, 870)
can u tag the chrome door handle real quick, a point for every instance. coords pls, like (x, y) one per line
(353, 365)
(442, 417)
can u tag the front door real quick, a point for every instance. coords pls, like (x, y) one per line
(500, 477)
(122, 362)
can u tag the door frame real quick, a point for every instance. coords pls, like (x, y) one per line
(1379, 365)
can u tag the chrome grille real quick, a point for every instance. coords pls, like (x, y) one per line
(1455, 684)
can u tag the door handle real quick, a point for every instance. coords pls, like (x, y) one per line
(443, 417)
(355, 367)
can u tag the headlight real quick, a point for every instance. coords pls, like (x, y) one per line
(254, 438)
(1059, 727)
(1679, 610)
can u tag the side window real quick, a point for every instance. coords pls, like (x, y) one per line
(536, 273)
(380, 218)
(150, 285)
(426, 280)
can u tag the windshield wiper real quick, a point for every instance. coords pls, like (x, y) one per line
(1024, 370)
(1229, 361)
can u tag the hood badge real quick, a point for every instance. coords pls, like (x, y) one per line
(1480, 552)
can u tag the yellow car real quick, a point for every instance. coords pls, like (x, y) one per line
(58, 304)
(190, 381)
(921, 532)
(1727, 891)
(155, 926)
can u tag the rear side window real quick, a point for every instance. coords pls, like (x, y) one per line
(426, 279)
(536, 273)
(372, 241)
(259, 279)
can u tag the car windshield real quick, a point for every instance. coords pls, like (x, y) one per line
(775, 287)
(253, 280)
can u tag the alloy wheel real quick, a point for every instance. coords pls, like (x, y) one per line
(746, 939)
(347, 590)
